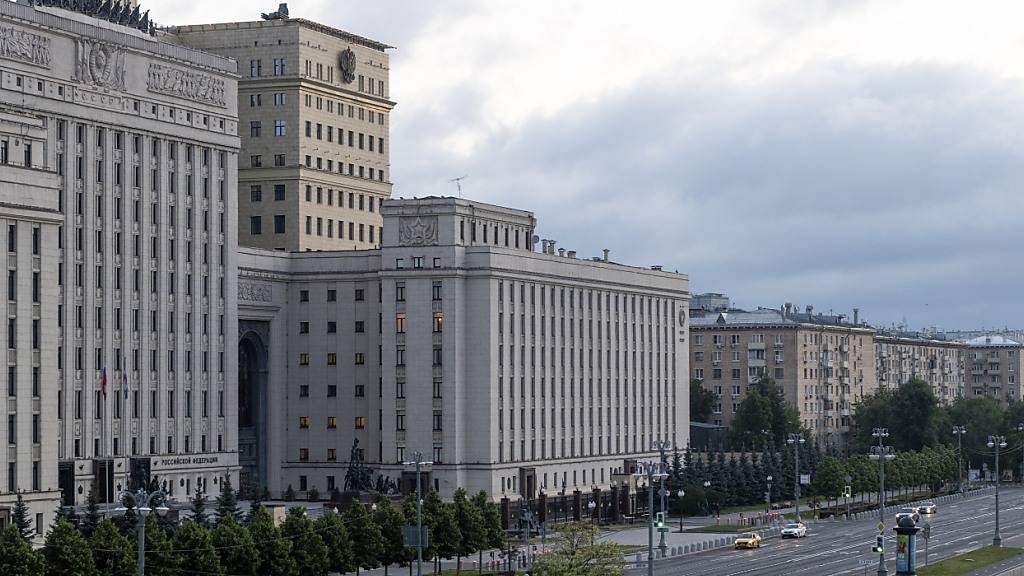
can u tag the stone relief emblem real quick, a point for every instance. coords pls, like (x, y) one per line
(255, 292)
(24, 46)
(416, 232)
(197, 87)
(100, 65)
(347, 65)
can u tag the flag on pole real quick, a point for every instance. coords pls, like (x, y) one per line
(103, 381)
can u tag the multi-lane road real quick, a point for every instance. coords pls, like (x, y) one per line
(840, 547)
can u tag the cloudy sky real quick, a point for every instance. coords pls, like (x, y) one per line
(836, 153)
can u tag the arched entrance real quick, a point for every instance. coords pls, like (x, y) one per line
(252, 404)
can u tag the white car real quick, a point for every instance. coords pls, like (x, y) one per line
(794, 530)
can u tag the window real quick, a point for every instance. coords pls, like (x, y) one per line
(438, 356)
(332, 455)
(254, 128)
(417, 261)
(279, 192)
(303, 359)
(304, 391)
(399, 422)
(279, 160)
(303, 421)
(437, 262)
(359, 295)
(400, 292)
(303, 327)
(435, 291)
(437, 420)
(303, 454)
(332, 358)
(279, 224)
(359, 327)
(332, 327)
(438, 322)
(400, 357)
(332, 422)
(360, 358)
(279, 99)
(400, 323)
(278, 69)
(437, 388)
(255, 161)
(279, 127)
(360, 422)
(303, 295)
(255, 193)
(360, 390)
(399, 263)
(332, 295)
(332, 390)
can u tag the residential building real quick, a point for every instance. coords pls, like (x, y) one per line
(133, 141)
(993, 368)
(314, 111)
(823, 363)
(512, 369)
(901, 356)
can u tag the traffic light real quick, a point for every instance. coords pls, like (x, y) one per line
(847, 491)
(659, 520)
(879, 545)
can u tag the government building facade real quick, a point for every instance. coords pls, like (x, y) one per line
(118, 156)
(512, 367)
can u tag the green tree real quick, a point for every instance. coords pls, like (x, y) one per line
(92, 513)
(195, 550)
(16, 555)
(367, 542)
(112, 552)
(409, 511)
(444, 530)
(275, 552)
(829, 479)
(918, 416)
(22, 519)
(160, 557)
(494, 536)
(236, 548)
(471, 527)
(67, 553)
(308, 548)
(576, 554)
(227, 502)
(332, 529)
(198, 502)
(702, 402)
(390, 520)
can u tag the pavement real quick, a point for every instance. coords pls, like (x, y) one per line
(835, 547)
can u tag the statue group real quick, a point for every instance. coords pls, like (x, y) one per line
(359, 478)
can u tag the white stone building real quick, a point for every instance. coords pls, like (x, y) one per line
(133, 140)
(512, 369)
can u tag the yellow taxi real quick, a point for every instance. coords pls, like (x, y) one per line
(748, 540)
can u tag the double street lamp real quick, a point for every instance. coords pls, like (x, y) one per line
(143, 503)
(768, 496)
(651, 471)
(795, 440)
(707, 503)
(997, 442)
(418, 461)
(959, 432)
(661, 446)
(881, 453)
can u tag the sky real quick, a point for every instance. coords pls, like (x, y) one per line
(837, 153)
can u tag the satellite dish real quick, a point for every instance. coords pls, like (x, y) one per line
(536, 238)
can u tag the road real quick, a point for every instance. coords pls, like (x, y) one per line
(834, 548)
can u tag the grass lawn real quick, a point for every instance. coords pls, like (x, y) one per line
(969, 561)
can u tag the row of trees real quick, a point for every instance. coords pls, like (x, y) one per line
(226, 542)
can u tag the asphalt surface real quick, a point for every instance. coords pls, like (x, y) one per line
(842, 547)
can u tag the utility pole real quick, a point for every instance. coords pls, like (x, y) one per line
(881, 453)
(959, 432)
(795, 440)
(997, 442)
(652, 472)
(1020, 428)
(417, 460)
(661, 446)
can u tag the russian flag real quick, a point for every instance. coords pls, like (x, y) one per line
(103, 381)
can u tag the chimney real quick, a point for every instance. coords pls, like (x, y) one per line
(543, 246)
(606, 252)
(809, 309)
(561, 252)
(551, 247)
(571, 254)
(856, 316)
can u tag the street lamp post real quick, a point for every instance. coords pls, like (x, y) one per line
(1020, 428)
(881, 453)
(652, 473)
(680, 494)
(143, 502)
(417, 460)
(997, 442)
(796, 439)
(849, 494)
(768, 497)
(959, 432)
(707, 503)
(661, 446)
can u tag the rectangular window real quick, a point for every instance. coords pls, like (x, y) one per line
(279, 224)
(279, 191)
(255, 193)
(255, 225)
(279, 127)
(360, 422)
(332, 422)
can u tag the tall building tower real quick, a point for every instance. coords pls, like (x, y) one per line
(133, 141)
(314, 116)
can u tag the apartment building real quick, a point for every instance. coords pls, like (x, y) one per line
(993, 367)
(901, 356)
(824, 364)
(132, 141)
(512, 369)
(314, 112)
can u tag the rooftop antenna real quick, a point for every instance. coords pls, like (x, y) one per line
(458, 183)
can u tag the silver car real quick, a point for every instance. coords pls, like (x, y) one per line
(794, 530)
(911, 512)
(927, 508)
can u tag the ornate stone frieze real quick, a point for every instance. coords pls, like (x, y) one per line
(194, 86)
(418, 231)
(24, 46)
(255, 292)
(100, 65)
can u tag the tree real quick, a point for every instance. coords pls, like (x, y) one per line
(227, 502)
(275, 552)
(112, 552)
(22, 519)
(918, 415)
(445, 537)
(16, 555)
(195, 550)
(308, 547)
(67, 553)
(576, 554)
(92, 512)
(331, 528)
(199, 507)
(702, 402)
(313, 495)
(471, 527)
(390, 520)
(753, 417)
(160, 557)
(409, 511)
(235, 546)
(829, 479)
(367, 542)
(494, 536)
